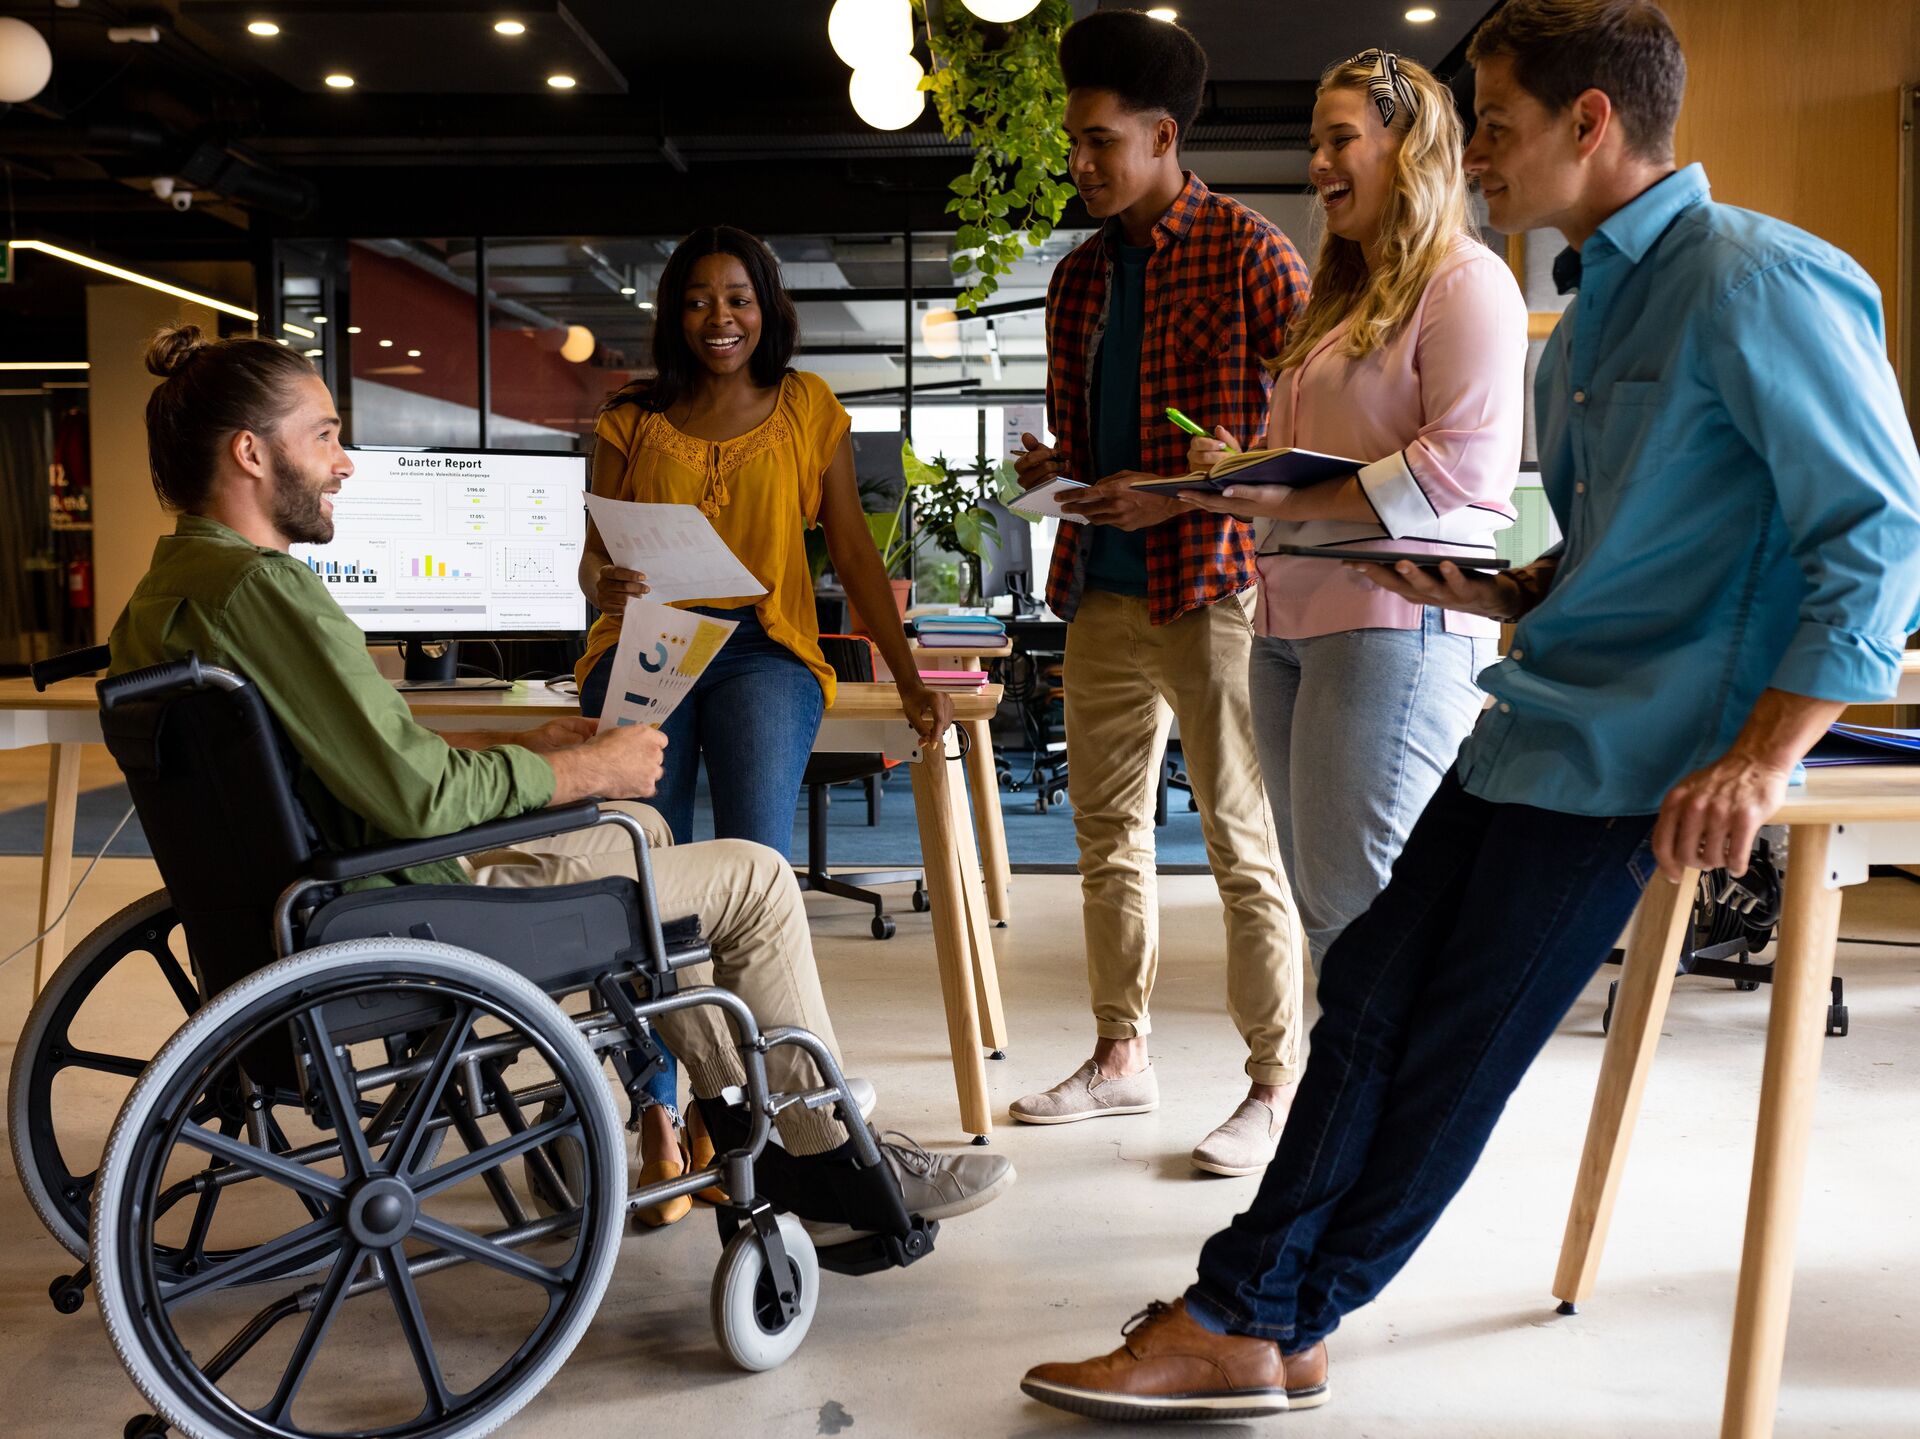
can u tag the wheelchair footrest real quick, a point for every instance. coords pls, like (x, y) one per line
(882, 1251)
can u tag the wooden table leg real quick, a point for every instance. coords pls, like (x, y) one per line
(940, 851)
(56, 859)
(1646, 980)
(1796, 1030)
(985, 786)
(986, 968)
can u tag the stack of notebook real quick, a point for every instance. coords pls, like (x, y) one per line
(969, 682)
(959, 632)
(1863, 744)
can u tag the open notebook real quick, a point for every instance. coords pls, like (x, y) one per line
(1258, 467)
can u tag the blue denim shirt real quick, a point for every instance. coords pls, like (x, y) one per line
(1722, 441)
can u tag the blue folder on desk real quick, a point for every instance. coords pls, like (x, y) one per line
(1864, 744)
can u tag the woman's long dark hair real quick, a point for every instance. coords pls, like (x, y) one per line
(675, 364)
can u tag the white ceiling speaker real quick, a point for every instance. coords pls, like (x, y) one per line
(26, 64)
(1001, 12)
(865, 32)
(887, 94)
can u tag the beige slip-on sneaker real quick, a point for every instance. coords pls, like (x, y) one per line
(1089, 1094)
(1245, 1144)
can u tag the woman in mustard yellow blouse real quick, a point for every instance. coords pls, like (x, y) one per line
(763, 450)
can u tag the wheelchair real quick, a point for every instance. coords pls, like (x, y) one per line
(376, 1181)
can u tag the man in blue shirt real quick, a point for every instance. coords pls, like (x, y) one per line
(1723, 444)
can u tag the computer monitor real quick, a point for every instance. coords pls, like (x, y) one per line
(449, 544)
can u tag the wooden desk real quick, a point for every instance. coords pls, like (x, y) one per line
(982, 777)
(864, 718)
(1838, 823)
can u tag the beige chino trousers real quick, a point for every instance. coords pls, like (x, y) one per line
(1125, 681)
(750, 913)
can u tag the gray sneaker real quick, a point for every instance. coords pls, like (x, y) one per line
(1088, 1094)
(935, 1187)
(1245, 1144)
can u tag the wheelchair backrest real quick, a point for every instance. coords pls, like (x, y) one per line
(210, 774)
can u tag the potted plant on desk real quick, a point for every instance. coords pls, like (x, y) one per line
(951, 510)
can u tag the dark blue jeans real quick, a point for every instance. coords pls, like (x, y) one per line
(1433, 1004)
(753, 715)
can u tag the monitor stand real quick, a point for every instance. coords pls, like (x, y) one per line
(435, 665)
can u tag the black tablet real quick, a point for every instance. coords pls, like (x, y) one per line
(1388, 557)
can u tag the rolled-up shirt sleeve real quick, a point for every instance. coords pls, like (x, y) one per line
(353, 729)
(1471, 356)
(1833, 436)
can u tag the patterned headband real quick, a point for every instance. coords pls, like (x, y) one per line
(1386, 86)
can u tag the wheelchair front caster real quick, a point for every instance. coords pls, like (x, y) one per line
(882, 927)
(754, 1328)
(68, 1293)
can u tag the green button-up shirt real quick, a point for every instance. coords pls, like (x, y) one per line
(368, 774)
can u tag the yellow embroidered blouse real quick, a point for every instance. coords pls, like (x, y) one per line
(762, 491)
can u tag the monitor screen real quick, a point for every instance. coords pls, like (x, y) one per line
(448, 542)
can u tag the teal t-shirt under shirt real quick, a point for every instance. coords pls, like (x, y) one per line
(1117, 562)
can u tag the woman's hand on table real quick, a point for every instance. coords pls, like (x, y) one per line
(927, 710)
(615, 587)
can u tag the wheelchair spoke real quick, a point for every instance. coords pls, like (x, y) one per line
(304, 1245)
(177, 980)
(342, 1098)
(413, 1322)
(195, 1249)
(484, 1251)
(257, 1161)
(404, 1152)
(118, 1064)
(445, 1176)
(332, 1295)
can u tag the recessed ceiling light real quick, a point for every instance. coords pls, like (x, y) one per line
(628, 290)
(413, 354)
(1421, 14)
(262, 28)
(353, 329)
(562, 82)
(386, 344)
(1164, 12)
(319, 319)
(311, 353)
(339, 82)
(509, 27)
(646, 304)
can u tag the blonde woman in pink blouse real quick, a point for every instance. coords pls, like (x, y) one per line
(1410, 355)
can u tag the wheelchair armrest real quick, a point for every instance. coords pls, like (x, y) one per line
(75, 662)
(494, 834)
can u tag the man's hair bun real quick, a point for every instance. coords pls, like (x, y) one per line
(173, 347)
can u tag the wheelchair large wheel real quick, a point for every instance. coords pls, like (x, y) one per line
(463, 1304)
(746, 1312)
(111, 970)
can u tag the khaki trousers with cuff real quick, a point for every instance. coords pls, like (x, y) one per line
(1126, 680)
(751, 914)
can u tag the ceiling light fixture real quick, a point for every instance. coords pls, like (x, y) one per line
(74, 257)
(310, 354)
(1421, 14)
(43, 365)
(339, 82)
(386, 344)
(628, 290)
(301, 330)
(1164, 12)
(562, 82)
(353, 329)
(578, 347)
(940, 333)
(1001, 12)
(865, 32)
(262, 28)
(509, 27)
(887, 93)
(413, 354)
(26, 61)
(645, 304)
(319, 319)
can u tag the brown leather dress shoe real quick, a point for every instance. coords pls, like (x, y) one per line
(1170, 1367)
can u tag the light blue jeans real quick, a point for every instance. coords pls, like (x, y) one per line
(1355, 731)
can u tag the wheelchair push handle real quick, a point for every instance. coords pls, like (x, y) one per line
(88, 661)
(158, 679)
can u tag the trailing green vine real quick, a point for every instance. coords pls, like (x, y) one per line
(999, 88)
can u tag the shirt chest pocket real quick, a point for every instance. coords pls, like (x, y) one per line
(1625, 437)
(1207, 331)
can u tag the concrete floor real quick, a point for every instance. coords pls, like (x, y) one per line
(1108, 1215)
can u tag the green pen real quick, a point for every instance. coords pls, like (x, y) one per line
(1191, 428)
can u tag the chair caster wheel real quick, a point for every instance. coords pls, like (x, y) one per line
(1566, 1306)
(980, 1141)
(1606, 1018)
(67, 1294)
(144, 1426)
(1837, 1021)
(997, 1054)
(921, 904)
(882, 927)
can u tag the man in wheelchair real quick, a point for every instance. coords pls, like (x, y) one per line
(244, 443)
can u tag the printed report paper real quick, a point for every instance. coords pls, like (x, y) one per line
(675, 547)
(662, 651)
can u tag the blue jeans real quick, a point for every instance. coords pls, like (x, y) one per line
(753, 714)
(1432, 1006)
(1355, 731)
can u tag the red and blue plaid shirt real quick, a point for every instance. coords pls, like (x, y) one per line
(1221, 285)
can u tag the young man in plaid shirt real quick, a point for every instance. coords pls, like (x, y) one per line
(1171, 303)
